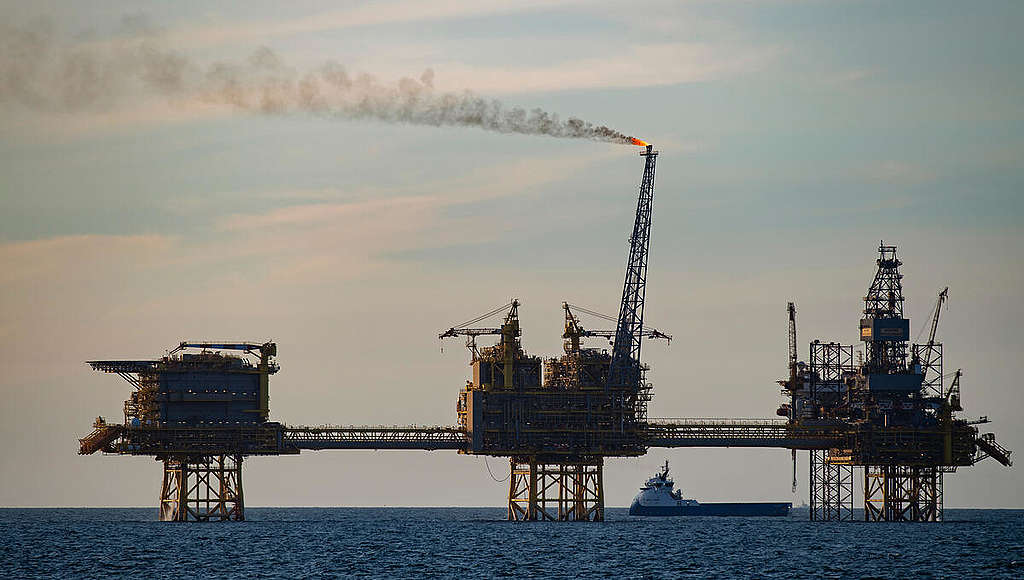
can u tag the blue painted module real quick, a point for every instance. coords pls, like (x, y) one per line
(229, 395)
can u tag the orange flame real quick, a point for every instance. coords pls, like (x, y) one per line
(638, 142)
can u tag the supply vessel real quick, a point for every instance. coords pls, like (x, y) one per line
(658, 497)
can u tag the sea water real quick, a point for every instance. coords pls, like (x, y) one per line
(478, 543)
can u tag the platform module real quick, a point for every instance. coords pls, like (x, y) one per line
(557, 425)
(896, 411)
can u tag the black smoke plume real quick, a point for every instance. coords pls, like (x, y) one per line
(39, 70)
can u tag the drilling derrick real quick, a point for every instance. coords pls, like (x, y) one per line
(887, 400)
(590, 404)
(883, 329)
(893, 417)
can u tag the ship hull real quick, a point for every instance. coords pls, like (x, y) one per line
(763, 509)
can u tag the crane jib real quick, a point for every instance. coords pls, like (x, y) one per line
(625, 363)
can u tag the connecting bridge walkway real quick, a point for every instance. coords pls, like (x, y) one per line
(762, 433)
(739, 433)
(428, 438)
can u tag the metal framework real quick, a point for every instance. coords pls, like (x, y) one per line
(831, 483)
(902, 493)
(556, 490)
(201, 413)
(625, 362)
(264, 439)
(202, 489)
(929, 354)
(739, 433)
(428, 438)
(884, 301)
(831, 363)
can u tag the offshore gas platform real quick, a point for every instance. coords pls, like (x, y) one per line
(892, 412)
(204, 407)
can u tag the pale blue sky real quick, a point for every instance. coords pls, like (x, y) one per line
(794, 136)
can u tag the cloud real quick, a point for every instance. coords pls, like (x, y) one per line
(309, 242)
(638, 65)
(304, 242)
(148, 76)
(361, 15)
(29, 261)
(301, 243)
(518, 177)
(849, 77)
(896, 173)
(321, 213)
(68, 286)
(61, 127)
(43, 72)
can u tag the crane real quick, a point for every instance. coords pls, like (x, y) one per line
(509, 330)
(953, 394)
(935, 319)
(928, 357)
(791, 384)
(574, 331)
(625, 369)
(934, 315)
(265, 349)
(791, 309)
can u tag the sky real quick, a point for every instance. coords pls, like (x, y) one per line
(793, 136)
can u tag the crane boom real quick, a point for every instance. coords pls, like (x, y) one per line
(625, 363)
(791, 308)
(574, 330)
(935, 320)
(266, 348)
(509, 330)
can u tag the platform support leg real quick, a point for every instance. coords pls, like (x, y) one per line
(556, 490)
(899, 493)
(202, 488)
(831, 487)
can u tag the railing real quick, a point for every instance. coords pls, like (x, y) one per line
(715, 421)
(989, 448)
(273, 439)
(262, 439)
(376, 437)
(101, 437)
(738, 433)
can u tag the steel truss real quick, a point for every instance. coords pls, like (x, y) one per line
(429, 438)
(900, 493)
(739, 433)
(200, 489)
(831, 487)
(556, 490)
(929, 356)
(885, 301)
(831, 362)
(625, 368)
